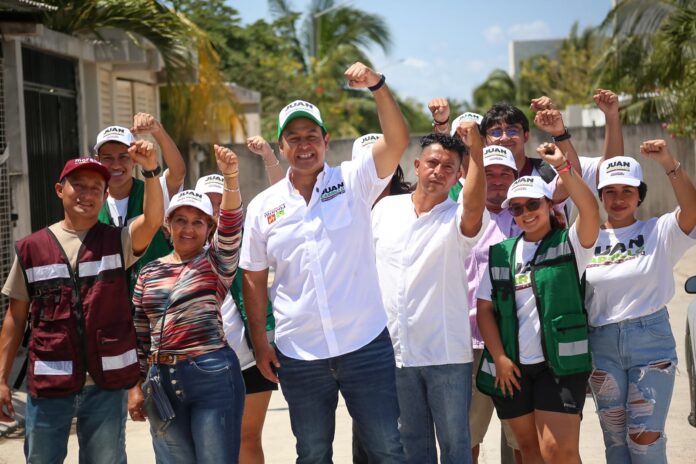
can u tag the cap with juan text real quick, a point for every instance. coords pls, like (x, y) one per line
(527, 187)
(84, 163)
(468, 116)
(213, 183)
(299, 109)
(622, 170)
(363, 145)
(495, 154)
(114, 134)
(191, 198)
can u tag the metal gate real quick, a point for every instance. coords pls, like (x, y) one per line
(6, 252)
(50, 102)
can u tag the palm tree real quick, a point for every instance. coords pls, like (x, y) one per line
(660, 79)
(498, 87)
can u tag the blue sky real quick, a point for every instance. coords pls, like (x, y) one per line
(445, 48)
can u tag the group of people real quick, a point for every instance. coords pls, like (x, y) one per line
(492, 284)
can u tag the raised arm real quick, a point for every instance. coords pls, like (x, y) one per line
(10, 338)
(681, 183)
(587, 222)
(439, 108)
(388, 150)
(228, 165)
(608, 103)
(474, 192)
(258, 145)
(255, 291)
(175, 173)
(144, 227)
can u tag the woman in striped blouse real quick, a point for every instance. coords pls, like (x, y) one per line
(177, 319)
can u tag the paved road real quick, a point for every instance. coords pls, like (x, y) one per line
(279, 442)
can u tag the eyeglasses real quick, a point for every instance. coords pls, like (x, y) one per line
(531, 205)
(497, 132)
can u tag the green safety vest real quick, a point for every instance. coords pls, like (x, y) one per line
(560, 303)
(456, 188)
(159, 246)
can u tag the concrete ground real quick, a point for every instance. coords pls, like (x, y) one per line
(279, 442)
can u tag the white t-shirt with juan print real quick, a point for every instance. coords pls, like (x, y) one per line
(631, 275)
(527, 315)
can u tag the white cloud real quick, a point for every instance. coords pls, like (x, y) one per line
(538, 29)
(414, 62)
(494, 34)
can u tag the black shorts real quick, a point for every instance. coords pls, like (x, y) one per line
(255, 382)
(542, 390)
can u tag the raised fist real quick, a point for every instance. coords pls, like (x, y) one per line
(469, 132)
(259, 146)
(360, 76)
(226, 160)
(439, 108)
(657, 150)
(607, 101)
(550, 121)
(551, 154)
(143, 153)
(144, 123)
(542, 103)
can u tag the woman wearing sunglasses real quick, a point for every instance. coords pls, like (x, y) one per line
(530, 313)
(177, 319)
(629, 282)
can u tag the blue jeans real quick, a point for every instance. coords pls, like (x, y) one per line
(101, 420)
(632, 382)
(207, 394)
(365, 378)
(436, 396)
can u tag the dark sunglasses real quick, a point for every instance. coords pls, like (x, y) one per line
(497, 133)
(531, 205)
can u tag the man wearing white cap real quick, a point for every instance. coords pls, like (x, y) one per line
(126, 193)
(313, 227)
(421, 242)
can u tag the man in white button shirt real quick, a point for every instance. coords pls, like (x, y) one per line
(422, 241)
(314, 229)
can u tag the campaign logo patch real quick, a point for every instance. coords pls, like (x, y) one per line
(274, 214)
(333, 191)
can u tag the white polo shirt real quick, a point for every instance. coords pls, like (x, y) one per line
(420, 262)
(325, 295)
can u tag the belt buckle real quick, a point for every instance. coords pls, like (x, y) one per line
(167, 359)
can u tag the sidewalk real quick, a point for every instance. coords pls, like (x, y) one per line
(279, 442)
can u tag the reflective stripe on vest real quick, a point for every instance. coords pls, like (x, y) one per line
(488, 367)
(572, 348)
(53, 367)
(500, 273)
(554, 252)
(92, 268)
(47, 272)
(110, 363)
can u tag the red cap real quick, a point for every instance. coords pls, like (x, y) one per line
(85, 163)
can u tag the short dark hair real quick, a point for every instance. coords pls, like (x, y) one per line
(504, 112)
(447, 141)
(642, 192)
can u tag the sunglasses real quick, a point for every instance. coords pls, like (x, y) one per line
(530, 205)
(497, 133)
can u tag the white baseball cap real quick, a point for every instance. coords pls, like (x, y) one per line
(363, 145)
(622, 170)
(468, 116)
(114, 134)
(495, 154)
(299, 109)
(527, 187)
(213, 183)
(191, 198)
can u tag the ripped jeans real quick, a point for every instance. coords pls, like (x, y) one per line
(634, 366)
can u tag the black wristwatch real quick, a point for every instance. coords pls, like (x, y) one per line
(154, 173)
(564, 136)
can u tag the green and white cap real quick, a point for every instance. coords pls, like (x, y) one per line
(299, 109)
(468, 116)
(363, 145)
(527, 187)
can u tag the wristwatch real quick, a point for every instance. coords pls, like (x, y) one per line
(561, 137)
(154, 173)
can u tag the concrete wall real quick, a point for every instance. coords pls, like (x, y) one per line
(588, 141)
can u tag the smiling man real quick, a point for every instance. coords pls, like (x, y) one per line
(422, 241)
(126, 193)
(313, 228)
(69, 280)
